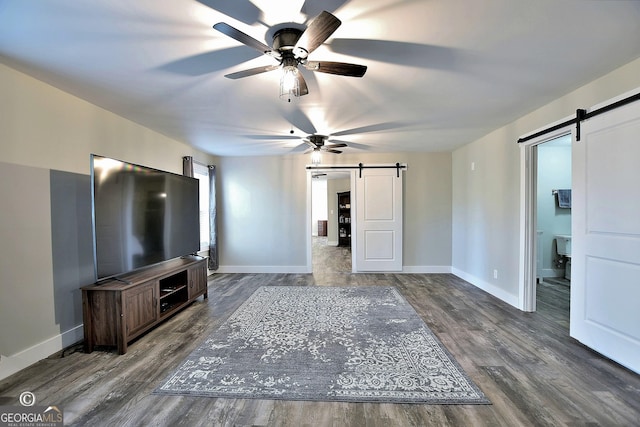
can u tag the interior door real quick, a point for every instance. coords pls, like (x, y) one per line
(605, 287)
(379, 219)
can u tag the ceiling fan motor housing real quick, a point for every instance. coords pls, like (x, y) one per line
(284, 41)
(317, 140)
(286, 38)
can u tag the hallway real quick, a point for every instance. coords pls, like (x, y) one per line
(329, 261)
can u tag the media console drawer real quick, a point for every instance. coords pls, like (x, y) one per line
(117, 311)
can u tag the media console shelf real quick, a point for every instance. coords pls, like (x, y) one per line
(117, 311)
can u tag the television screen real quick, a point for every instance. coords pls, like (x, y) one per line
(141, 216)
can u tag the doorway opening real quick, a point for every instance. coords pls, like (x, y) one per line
(553, 227)
(328, 252)
(545, 277)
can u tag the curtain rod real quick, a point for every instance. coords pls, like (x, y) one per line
(581, 115)
(360, 166)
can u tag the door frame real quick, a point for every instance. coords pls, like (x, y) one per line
(352, 169)
(527, 283)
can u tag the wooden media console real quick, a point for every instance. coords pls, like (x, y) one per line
(119, 310)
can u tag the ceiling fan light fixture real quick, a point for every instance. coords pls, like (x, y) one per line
(316, 157)
(289, 83)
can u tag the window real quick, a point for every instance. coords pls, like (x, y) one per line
(201, 172)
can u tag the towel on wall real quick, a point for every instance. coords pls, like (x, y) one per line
(564, 199)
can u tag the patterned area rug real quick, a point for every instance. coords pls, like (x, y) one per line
(355, 344)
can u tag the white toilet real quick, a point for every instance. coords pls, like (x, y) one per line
(563, 247)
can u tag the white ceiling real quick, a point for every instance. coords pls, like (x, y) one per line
(441, 73)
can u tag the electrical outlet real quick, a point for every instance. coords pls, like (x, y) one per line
(495, 274)
(473, 166)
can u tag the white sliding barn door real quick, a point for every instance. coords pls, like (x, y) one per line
(379, 220)
(605, 284)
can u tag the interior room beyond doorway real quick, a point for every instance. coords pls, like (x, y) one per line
(553, 225)
(328, 257)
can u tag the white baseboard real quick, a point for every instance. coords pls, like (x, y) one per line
(426, 269)
(488, 287)
(295, 269)
(9, 365)
(416, 269)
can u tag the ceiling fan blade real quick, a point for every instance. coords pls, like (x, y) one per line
(299, 119)
(251, 72)
(299, 148)
(314, 7)
(340, 68)
(271, 137)
(245, 39)
(242, 10)
(359, 146)
(329, 150)
(317, 32)
(209, 62)
(350, 144)
(400, 53)
(339, 145)
(378, 127)
(330, 140)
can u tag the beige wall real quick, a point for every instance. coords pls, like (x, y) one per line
(486, 200)
(427, 206)
(45, 127)
(263, 202)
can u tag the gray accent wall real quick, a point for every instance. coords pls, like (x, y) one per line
(71, 245)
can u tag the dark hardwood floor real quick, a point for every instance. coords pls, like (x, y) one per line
(552, 300)
(527, 365)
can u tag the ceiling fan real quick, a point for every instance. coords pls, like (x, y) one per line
(315, 142)
(291, 46)
(318, 143)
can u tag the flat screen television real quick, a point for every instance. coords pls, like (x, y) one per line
(141, 216)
